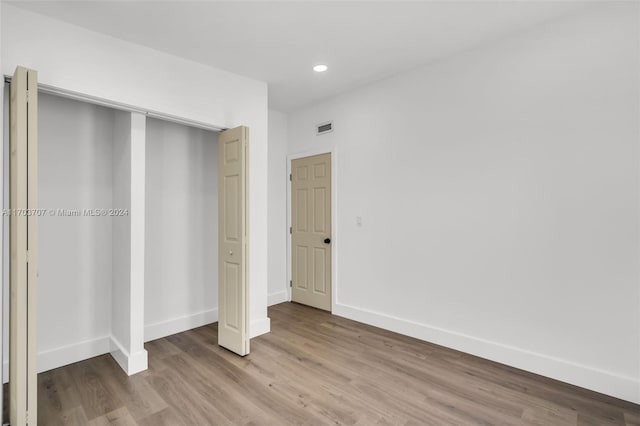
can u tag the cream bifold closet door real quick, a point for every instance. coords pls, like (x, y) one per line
(233, 283)
(23, 235)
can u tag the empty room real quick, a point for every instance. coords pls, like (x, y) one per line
(320, 212)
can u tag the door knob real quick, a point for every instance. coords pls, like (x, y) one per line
(230, 253)
(327, 240)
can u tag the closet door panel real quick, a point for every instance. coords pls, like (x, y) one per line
(233, 297)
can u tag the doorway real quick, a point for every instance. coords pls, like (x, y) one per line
(311, 231)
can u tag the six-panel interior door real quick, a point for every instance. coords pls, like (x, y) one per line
(23, 234)
(233, 286)
(311, 231)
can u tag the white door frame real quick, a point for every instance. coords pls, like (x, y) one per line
(334, 220)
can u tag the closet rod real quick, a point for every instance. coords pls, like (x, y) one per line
(69, 94)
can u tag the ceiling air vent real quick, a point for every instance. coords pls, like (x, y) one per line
(323, 128)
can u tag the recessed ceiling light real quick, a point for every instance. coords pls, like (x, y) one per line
(320, 68)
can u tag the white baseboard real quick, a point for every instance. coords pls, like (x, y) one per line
(65, 355)
(626, 388)
(130, 363)
(180, 324)
(260, 327)
(278, 297)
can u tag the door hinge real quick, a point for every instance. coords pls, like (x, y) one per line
(290, 283)
(291, 229)
(290, 177)
(27, 96)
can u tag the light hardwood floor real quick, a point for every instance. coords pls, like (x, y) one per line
(315, 368)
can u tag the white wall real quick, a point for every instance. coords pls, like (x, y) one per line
(76, 59)
(498, 191)
(278, 230)
(75, 262)
(181, 265)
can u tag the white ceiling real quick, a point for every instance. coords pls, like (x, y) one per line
(279, 42)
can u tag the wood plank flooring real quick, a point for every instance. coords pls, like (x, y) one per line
(315, 368)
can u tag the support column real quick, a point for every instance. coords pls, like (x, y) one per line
(128, 243)
(138, 361)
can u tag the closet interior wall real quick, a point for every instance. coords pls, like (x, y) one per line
(181, 254)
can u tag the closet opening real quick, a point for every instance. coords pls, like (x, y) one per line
(88, 177)
(123, 193)
(181, 235)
